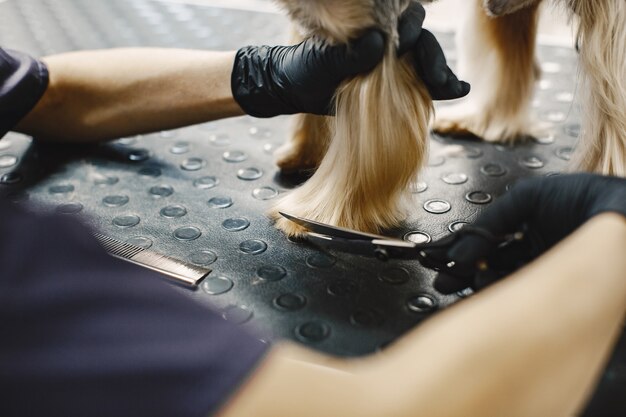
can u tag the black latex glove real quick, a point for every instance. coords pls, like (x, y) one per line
(545, 210)
(270, 81)
(430, 61)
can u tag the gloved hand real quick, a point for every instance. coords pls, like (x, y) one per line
(270, 81)
(429, 60)
(544, 210)
(303, 78)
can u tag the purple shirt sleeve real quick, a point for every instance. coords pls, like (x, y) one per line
(82, 334)
(23, 80)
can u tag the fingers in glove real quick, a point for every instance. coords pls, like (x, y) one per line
(451, 90)
(432, 68)
(500, 262)
(509, 258)
(505, 216)
(410, 27)
(448, 284)
(361, 56)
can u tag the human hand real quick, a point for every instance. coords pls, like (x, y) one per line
(542, 210)
(303, 78)
(429, 60)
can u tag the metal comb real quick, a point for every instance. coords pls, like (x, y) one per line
(179, 271)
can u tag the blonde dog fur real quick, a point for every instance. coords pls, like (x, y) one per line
(378, 138)
(602, 42)
(368, 154)
(496, 47)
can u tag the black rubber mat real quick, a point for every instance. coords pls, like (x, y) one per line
(199, 193)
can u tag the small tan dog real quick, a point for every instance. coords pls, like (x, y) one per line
(369, 153)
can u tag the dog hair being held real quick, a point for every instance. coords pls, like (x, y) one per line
(393, 70)
(367, 155)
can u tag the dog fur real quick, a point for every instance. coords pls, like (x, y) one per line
(377, 141)
(497, 56)
(602, 43)
(368, 154)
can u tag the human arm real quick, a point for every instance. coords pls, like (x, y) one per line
(531, 218)
(85, 332)
(532, 345)
(99, 95)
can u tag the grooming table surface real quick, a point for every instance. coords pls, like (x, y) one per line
(199, 194)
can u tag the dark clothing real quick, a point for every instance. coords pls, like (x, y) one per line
(83, 334)
(23, 81)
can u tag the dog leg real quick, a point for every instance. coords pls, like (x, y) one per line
(602, 41)
(497, 56)
(379, 135)
(376, 151)
(307, 146)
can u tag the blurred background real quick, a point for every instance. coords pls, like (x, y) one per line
(443, 15)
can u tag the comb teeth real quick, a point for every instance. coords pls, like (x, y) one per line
(117, 248)
(179, 271)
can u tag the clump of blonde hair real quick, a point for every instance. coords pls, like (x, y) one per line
(378, 139)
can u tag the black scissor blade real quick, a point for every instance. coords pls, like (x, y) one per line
(349, 246)
(383, 249)
(333, 231)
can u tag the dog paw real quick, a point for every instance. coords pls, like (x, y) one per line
(286, 226)
(290, 159)
(487, 125)
(454, 126)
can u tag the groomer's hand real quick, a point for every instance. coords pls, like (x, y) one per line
(270, 81)
(545, 210)
(430, 61)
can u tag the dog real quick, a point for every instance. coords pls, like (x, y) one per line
(365, 159)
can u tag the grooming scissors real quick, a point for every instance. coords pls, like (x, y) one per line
(430, 255)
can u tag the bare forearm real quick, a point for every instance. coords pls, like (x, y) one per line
(532, 345)
(99, 95)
